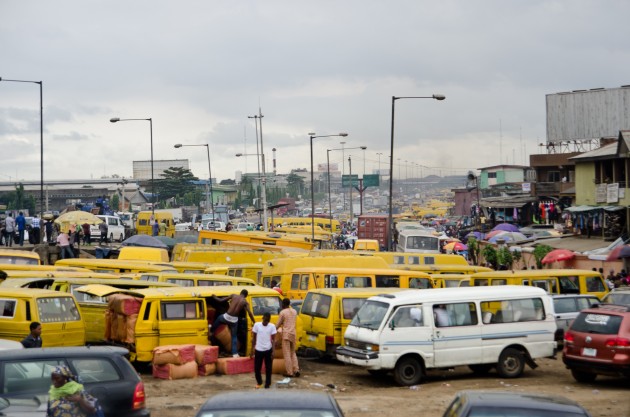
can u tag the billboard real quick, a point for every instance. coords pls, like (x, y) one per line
(323, 167)
(587, 114)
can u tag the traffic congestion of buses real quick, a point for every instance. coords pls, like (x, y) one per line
(402, 312)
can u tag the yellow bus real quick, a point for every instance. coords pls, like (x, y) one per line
(253, 271)
(194, 280)
(447, 269)
(224, 257)
(320, 222)
(305, 279)
(554, 281)
(397, 259)
(449, 280)
(181, 315)
(19, 257)
(113, 266)
(212, 237)
(279, 270)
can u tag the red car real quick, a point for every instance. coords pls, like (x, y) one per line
(598, 343)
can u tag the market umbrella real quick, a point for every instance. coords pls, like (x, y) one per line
(613, 255)
(558, 255)
(168, 241)
(453, 246)
(508, 237)
(624, 252)
(494, 233)
(476, 235)
(144, 240)
(506, 227)
(76, 217)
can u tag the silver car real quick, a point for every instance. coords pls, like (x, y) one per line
(567, 307)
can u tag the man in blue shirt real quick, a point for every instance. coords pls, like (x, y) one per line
(20, 221)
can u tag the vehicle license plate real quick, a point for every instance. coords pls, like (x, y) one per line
(589, 352)
(312, 337)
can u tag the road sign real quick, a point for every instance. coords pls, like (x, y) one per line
(370, 180)
(345, 180)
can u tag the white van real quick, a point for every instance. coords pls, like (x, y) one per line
(419, 241)
(409, 332)
(115, 228)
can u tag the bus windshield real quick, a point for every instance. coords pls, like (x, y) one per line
(370, 315)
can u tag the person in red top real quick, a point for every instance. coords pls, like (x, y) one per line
(287, 320)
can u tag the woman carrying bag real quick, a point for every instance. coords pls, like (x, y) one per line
(68, 398)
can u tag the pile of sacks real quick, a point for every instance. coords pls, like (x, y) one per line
(184, 361)
(120, 317)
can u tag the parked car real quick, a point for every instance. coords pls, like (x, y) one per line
(294, 403)
(598, 342)
(215, 225)
(245, 226)
(10, 344)
(499, 403)
(567, 307)
(618, 296)
(115, 228)
(103, 370)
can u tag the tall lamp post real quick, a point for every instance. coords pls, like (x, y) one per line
(258, 118)
(118, 119)
(314, 136)
(41, 137)
(238, 155)
(209, 194)
(328, 176)
(391, 165)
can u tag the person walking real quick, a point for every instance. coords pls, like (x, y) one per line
(48, 227)
(263, 336)
(9, 230)
(63, 240)
(238, 303)
(155, 228)
(34, 338)
(287, 322)
(87, 234)
(20, 221)
(35, 231)
(162, 228)
(102, 227)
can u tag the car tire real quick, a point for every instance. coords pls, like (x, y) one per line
(511, 363)
(584, 377)
(408, 371)
(111, 238)
(481, 368)
(121, 238)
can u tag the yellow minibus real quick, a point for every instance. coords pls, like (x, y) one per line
(213, 237)
(279, 270)
(144, 223)
(305, 279)
(194, 280)
(181, 315)
(114, 266)
(554, 281)
(253, 271)
(449, 280)
(18, 257)
(59, 315)
(447, 269)
(325, 314)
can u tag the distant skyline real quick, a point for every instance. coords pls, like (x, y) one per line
(198, 69)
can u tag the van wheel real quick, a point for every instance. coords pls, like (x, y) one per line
(408, 371)
(121, 238)
(481, 369)
(111, 238)
(511, 363)
(581, 376)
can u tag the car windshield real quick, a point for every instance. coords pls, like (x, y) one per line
(483, 411)
(370, 315)
(618, 298)
(267, 413)
(597, 323)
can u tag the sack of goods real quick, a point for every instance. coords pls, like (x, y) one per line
(205, 354)
(120, 317)
(171, 371)
(173, 354)
(232, 366)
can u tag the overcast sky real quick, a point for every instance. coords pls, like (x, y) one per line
(199, 68)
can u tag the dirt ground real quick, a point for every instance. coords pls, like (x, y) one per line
(359, 393)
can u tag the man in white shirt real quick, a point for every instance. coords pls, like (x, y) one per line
(9, 229)
(263, 335)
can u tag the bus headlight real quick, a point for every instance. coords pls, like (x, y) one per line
(371, 348)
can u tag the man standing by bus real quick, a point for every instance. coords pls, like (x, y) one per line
(287, 321)
(238, 303)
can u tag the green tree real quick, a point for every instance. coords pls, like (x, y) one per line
(490, 255)
(540, 252)
(176, 182)
(505, 258)
(473, 250)
(295, 185)
(115, 202)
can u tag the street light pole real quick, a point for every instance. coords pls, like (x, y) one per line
(209, 193)
(259, 117)
(391, 165)
(351, 208)
(41, 138)
(314, 136)
(328, 172)
(150, 120)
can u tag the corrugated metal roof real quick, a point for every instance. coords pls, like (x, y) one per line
(576, 244)
(601, 153)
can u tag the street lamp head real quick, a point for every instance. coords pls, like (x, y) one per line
(114, 119)
(177, 145)
(239, 154)
(312, 133)
(363, 147)
(439, 96)
(343, 134)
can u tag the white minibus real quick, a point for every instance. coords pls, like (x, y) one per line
(419, 241)
(409, 332)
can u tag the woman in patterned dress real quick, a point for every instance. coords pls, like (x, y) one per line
(66, 397)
